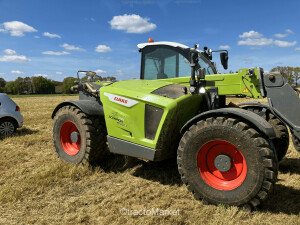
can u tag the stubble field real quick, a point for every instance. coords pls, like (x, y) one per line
(38, 188)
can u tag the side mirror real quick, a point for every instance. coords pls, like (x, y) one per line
(201, 73)
(224, 59)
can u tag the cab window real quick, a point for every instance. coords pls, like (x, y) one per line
(164, 63)
(204, 64)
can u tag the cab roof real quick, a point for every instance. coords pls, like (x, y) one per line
(173, 44)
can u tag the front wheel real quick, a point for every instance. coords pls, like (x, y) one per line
(225, 161)
(79, 138)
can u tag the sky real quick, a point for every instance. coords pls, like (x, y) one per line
(57, 38)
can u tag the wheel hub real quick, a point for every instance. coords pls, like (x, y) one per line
(70, 138)
(74, 136)
(223, 163)
(6, 128)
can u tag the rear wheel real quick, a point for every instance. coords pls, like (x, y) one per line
(282, 140)
(223, 160)
(7, 127)
(79, 138)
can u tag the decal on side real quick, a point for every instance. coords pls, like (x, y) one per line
(121, 100)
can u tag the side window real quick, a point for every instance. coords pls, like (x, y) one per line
(163, 63)
(210, 70)
(206, 66)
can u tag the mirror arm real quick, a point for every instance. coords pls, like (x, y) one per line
(220, 51)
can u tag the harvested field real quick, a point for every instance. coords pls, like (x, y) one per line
(37, 188)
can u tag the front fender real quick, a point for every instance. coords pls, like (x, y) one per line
(255, 104)
(89, 107)
(260, 123)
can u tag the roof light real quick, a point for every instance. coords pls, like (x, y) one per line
(150, 40)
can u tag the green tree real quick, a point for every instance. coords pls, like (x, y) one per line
(68, 82)
(42, 85)
(2, 84)
(20, 85)
(28, 86)
(10, 87)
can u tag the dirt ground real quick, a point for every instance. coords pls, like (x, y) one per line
(38, 188)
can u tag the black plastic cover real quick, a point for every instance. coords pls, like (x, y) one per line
(173, 91)
(152, 119)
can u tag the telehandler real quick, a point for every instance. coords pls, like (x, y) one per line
(226, 153)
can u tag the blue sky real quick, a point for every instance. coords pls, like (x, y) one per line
(58, 37)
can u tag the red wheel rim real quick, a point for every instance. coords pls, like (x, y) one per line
(217, 179)
(68, 146)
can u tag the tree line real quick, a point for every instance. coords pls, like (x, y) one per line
(42, 85)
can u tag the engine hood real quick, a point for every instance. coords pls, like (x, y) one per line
(145, 86)
(159, 92)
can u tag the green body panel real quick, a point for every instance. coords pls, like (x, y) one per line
(237, 83)
(128, 123)
(230, 84)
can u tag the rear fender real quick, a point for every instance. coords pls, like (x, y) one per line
(89, 107)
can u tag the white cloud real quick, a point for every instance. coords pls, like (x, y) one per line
(37, 36)
(47, 34)
(11, 56)
(102, 48)
(132, 24)
(14, 58)
(16, 72)
(280, 35)
(2, 73)
(10, 52)
(254, 38)
(71, 47)
(99, 71)
(120, 72)
(40, 75)
(287, 33)
(284, 44)
(297, 49)
(256, 41)
(17, 28)
(55, 53)
(59, 73)
(224, 47)
(93, 20)
(251, 34)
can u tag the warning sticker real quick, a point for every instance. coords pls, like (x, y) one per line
(245, 90)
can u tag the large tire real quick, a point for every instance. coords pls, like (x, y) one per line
(253, 164)
(89, 141)
(282, 140)
(7, 127)
(296, 143)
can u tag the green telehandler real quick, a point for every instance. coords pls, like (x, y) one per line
(226, 153)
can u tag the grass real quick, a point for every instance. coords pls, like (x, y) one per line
(39, 95)
(38, 188)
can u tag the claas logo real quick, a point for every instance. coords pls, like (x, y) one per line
(120, 100)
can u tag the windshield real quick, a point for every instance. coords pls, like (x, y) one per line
(163, 63)
(206, 65)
